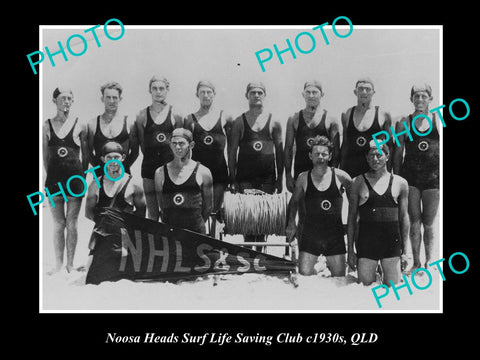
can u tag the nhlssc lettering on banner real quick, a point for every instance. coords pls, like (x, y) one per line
(169, 253)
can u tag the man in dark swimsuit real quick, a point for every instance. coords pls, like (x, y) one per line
(419, 165)
(378, 221)
(359, 123)
(320, 190)
(63, 141)
(155, 124)
(184, 186)
(111, 126)
(211, 129)
(258, 140)
(124, 194)
(302, 127)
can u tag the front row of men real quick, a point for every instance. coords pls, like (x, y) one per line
(378, 202)
(180, 178)
(377, 225)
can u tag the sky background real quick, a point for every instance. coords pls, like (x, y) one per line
(393, 58)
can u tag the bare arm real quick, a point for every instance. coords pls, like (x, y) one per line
(159, 179)
(278, 143)
(91, 201)
(297, 197)
(352, 222)
(177, 120)
(235, 137)
(404, 220)
(139, 200)
(140, 128)
(397, 156)
(134, 145)
(228, 133)
(207, 192)
(334, 134)
(344, 120)
(83, 136)
(345, 180)
(188, 123)
(228, 126)
(94, 160)
(386, 127)
(46, 132)
(288, 152)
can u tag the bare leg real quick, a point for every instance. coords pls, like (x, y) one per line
(59, 224)
(89, 262)
(415, 214)
(151, 199)
(73, 209)
(366, 270)
(306, 263)
(337, 264)
(430, 199)
(391, 270)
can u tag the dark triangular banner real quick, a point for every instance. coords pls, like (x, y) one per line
(135, 248)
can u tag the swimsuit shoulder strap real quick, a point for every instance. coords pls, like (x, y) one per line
(370, 188)
(390, 182)
(70, 133)
(51, 128)
(149, 117)
(196, 168)
(219, 121)
(350, 118)
(267, 125)
(125, 124)
(375, 119)
(120, 191)
(97, 129)
(301, 119)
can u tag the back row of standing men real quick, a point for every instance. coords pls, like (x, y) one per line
(253, 144)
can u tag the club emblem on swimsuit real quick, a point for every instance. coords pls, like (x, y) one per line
(361, 141)
(257, 146)
(423, 145)
(178, 199)
(62, 152)
(309, 142)
(161, 137)
(326, 205)
(208, 140)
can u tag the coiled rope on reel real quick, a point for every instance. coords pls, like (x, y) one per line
(255, 213)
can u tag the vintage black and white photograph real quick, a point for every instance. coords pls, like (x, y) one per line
(260, 169)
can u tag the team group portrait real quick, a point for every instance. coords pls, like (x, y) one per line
(250, 189)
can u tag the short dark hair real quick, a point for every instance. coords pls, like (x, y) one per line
(371, 145)
(367, 80)
(112, 85)
(321, 140)
(158, 78)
